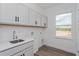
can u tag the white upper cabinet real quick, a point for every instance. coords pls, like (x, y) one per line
(13, 13)
(7, 12)
(38, 19)
(44, 21)
(19, 14)
(22, 14)
(34, 18)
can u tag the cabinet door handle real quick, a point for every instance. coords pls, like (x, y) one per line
(18, 19)
(23, 54)
(20, 55)
(15, 18)
(35, 22)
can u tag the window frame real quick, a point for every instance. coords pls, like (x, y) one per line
(62, 37)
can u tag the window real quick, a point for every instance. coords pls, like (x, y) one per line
(63, 25)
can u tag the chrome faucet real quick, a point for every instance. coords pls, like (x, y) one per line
(14, 35)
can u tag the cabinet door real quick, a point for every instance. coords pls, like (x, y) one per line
(7, 12)
(22, 14)
(19, 54)
(33, 18)
(44, 21)
(9, 52)
(40, 38)
(28, 52)
(37, 39)
(38, 19)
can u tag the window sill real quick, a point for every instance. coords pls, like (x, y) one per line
(63, 38)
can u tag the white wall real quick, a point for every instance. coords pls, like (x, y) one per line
(50, 34)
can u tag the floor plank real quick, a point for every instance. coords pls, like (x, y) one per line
(50, 51)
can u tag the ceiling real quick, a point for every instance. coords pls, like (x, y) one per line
(49, 5)
(46, 5)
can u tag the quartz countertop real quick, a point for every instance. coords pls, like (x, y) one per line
(8, 45)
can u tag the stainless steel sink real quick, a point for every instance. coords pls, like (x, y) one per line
(16, 41)
(20, 40)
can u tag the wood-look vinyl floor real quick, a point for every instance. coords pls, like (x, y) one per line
(50, 51)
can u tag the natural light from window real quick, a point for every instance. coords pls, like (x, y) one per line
(63, 25)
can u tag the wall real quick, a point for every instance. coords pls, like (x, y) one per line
(50, 34)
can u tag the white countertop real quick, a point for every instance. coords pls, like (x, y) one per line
(7, 45)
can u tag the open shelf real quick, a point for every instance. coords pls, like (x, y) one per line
(21, 25)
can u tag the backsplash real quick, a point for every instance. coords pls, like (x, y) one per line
(6, 32)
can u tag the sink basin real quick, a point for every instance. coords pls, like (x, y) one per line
(20, 40)
(16, 41)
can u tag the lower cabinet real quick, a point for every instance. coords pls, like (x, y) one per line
(25, 49)
(19, 54)
(28, 52)
(25, 52)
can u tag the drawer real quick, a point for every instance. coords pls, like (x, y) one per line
(25, 52)
(4, 54)
(24, 46)
(28, 51)
(30, 48)
(9, 52)
(18, 54)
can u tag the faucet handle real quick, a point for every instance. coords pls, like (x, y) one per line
(16, 37)
(14, 32)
